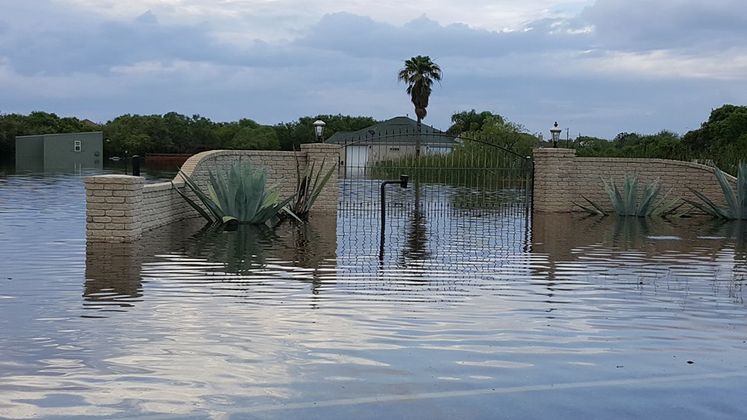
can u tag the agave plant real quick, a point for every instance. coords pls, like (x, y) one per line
(242, 196)
(309, 185)
(736, 203)
(625, 200)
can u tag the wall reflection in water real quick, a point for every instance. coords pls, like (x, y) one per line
(250, 247)
(297, 250)
(562, 235)
(641, 251)
(190, 250)
(114, 271)
(444, 251)
(112, 275)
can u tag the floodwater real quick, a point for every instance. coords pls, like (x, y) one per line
(463, 317)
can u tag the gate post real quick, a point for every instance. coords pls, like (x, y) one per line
(553, 184)
(316, 153)
(113, 208)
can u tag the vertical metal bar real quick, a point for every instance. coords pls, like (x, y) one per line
(383, 221)
(136, 165)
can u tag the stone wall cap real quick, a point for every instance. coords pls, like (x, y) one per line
(115, 179)
(161, 186)
(320, 146)
(555, 151)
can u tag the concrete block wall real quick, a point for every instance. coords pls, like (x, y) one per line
(162, 205)
(121, 208)
(113, 208)
(561, 178)
(280, 167)
(552, 172)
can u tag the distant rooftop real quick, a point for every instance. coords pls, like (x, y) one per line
(394, 130)
(62, 134)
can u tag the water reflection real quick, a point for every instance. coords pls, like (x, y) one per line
(112, 275)
(311, 320)
(562, 235)
(642, 251)
(251, 247)
(240, 250)
(415, 250)
(192, 250)
(114, 271)
(150, 172)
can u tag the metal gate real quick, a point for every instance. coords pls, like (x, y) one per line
(461, 191)
(450, 175)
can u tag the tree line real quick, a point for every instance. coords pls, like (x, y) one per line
(722, 139)
(175, 133)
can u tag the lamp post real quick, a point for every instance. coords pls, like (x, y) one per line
(319, 129)
(555, 131)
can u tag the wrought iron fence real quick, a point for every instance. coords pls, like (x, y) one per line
(449, 174)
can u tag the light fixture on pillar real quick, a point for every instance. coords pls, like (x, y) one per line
(555, 131)
(319, 129)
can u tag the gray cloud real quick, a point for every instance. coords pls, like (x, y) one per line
(616, 66)
(363, 37)
(147, 18)
(77, 44)
(641, 24)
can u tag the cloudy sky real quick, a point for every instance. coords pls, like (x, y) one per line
(599, 67)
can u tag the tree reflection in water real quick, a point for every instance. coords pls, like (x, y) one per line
(415, 250)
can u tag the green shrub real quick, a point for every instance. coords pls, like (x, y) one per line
(240, 197)
(625, 201)
(309, 185)
(736, 203)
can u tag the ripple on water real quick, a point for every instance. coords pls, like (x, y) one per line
(262, 319)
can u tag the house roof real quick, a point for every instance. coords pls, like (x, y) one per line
(398, 130)
(78, 133)
(89, 123)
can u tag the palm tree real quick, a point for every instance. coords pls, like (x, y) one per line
(419, 73)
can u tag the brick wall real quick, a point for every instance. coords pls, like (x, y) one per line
(113, 208)
(561, 178)
(120, 207)
(553, 190)
(280, 167)
(162, 205)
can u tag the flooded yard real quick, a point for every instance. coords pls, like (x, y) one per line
(465, 316)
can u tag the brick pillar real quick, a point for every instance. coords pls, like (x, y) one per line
(113, 208)
(553, 186)
(326, 203)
